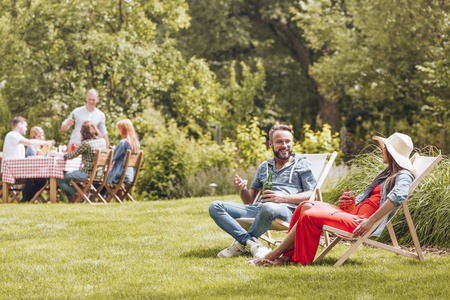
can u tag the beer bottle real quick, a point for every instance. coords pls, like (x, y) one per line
(268, 185)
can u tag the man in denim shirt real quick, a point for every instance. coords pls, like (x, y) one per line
(293, 183)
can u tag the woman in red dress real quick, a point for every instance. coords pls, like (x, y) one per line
(388, 190)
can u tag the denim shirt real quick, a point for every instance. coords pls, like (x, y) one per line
(397, 195)
(286, 181)
(119, 158)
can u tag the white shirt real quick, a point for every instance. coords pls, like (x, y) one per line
(81, 114)
(11, 147)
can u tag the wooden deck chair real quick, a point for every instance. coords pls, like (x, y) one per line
(422, 166)
(99, 175)
(320, 168)
(120, 190)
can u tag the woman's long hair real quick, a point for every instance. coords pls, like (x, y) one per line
(392, 169)
(88, 131)
(127, 132)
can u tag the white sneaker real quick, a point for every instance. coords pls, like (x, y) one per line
(258, 249)
(234, 250)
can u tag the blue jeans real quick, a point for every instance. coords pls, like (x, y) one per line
(66, 186)
(224, 213)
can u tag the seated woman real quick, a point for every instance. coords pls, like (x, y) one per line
(36, 133)
(129, 141)
(388, 190)
(90, 142)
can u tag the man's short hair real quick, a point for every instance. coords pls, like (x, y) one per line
(18, 120)
(278, 127)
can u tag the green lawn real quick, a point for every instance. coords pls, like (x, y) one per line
(167, 249)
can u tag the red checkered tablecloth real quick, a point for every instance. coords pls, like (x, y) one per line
(37, 167)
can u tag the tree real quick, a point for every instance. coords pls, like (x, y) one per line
(54, 51)
(255, 42)
(370, 53)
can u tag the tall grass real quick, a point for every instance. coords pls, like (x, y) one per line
(429, 204)
(199, 184)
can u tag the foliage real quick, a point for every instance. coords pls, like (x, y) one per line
(251, 142)
(167, 163)
(244, 97)
(320, 141)
(167, 250)
(428, 205)
(238, 36)
(369, 65)
(54, 51)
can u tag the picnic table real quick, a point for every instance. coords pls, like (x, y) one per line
(37, 167)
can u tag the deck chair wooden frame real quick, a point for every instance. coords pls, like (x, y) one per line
(102, 160)
(320, 167)
(422, 167)
(120, 191)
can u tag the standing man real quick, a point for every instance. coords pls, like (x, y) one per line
(293, 183)
(86, 113)
(14, 148)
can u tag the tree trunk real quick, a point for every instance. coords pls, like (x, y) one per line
(328, 111)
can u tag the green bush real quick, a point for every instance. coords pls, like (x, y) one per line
(166, 163)
(176, 166)
(251, 141)
(429, 204)
(320, 141)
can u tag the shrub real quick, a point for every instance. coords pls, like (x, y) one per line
(251, 142)
(429, 205)
(166, 163)
(320, 141)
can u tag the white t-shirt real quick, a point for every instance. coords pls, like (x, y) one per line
(97, 117)
(11, 147)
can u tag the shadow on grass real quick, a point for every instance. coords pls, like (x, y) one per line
(212, 253)
(202, 253)
(328, 261)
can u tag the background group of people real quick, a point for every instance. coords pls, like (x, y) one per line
(89, 134)
(293, 183)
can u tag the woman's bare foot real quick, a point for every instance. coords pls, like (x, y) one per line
(255, 261)
(284, 260)
(269, 263)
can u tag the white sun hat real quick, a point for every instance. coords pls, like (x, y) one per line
(400, 146)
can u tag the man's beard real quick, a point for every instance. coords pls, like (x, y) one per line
(278, 155)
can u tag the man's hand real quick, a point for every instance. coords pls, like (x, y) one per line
(240, 183)
(271, 196)
(363, 227)
(70, 122)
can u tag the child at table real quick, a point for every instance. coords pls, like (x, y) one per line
(90, 142)
(37, 133)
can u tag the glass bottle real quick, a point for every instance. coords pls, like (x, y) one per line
(268, 185)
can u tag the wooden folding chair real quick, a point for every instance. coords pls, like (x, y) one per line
(38, 196)
(422, 166)
(99, 175)
(320, 168)
(119, 191)
(14, 190)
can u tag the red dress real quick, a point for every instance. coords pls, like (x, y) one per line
(310, 223)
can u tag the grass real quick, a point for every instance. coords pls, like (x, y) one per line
(167, 250)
